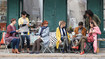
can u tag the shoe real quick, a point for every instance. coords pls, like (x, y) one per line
(16, 50)
(63, 51)
(22, 50)
(94, 52)
(32, 52)
(75, 47)
(82, 53)
(28, 50)
(37, 52)
(13, 51)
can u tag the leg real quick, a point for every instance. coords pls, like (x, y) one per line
(82, 44)
(34, 46)
(84, 37)
(23, 39)
(13, 45)
(28, 41)
(38, 44)
(95, 44)
(17, 44)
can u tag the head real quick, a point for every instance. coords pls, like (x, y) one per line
(80, 24)
(45, 23)
(13, 21)
(89, 13)
(62, 24)
(92, 24)
(24, 14)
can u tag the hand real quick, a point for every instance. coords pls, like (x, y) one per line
(87, 31)
(32, 28)
(74, 36)
(60, 41)
(27, 24)
(39, 37)
(17, 30)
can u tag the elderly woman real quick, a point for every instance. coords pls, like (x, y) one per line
(11, 36)
(43, 34)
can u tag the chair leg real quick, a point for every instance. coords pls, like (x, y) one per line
(49, 50)
(44, 50)
(6, 49)
(89, 47)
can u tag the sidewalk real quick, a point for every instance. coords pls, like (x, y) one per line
(100, 55)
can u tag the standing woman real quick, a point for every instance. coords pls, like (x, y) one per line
(43, 34)
(90, 16)
(11, 36)
(24, 23)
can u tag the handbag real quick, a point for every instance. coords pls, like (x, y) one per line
(90, 38)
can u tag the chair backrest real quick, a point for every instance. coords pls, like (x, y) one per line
(53, 38)
(3, 38)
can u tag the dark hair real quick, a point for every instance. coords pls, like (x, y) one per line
(80, 23)
(24, 13)
(89, 12)
(13, 19)
(92, 23)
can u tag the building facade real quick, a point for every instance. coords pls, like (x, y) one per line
(51, 10)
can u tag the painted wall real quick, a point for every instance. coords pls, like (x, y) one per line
(76, 9)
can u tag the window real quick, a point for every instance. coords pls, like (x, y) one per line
(3, 14)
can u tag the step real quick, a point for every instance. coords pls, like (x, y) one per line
(10, 55)
(51, 56)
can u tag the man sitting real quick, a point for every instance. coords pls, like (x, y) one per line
(79, 32)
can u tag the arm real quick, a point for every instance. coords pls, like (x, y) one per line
(46, 33)
(84, 32)
(39, 31)
(75, 33)
(27, 21)
(9, 29)
(98, 21)
(97, 30)
(87, 23)
(12, 32)
(68, 36)
(58, 36)
(19, 21)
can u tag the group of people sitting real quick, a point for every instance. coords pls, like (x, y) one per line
(62, 35)
(81, 34)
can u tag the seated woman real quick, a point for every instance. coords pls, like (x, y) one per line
(94, 30)
(11, 36)
(43, 34)
(62, 35)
